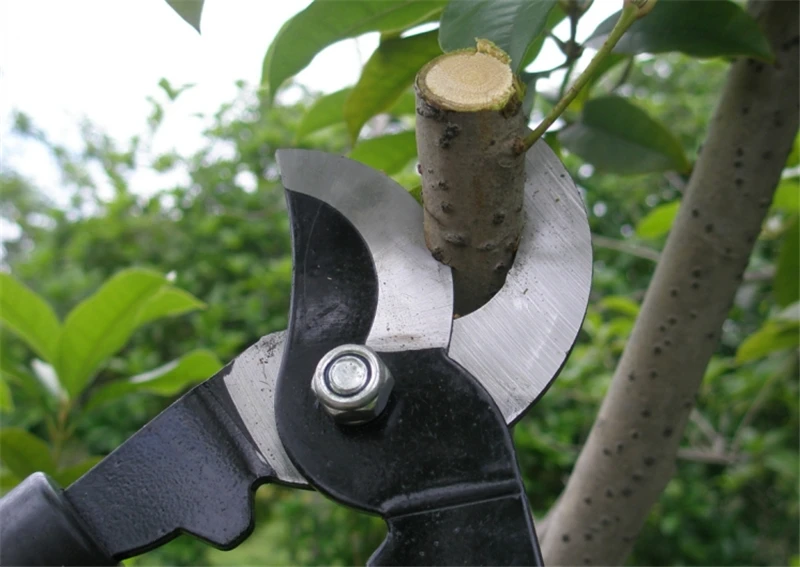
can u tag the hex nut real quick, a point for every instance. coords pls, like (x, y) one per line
(352, 384)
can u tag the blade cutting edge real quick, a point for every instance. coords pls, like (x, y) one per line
(516, 344)
(415, 292)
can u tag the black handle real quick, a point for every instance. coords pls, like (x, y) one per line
(193, 469)
(497, 531)
(39, 527)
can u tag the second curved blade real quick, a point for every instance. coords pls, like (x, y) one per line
(516, 344)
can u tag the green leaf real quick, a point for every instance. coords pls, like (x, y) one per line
(189, 10)
(620, 304)
(167, 380)
(20, 377)
(619, 137)
(554, 18)
(326, 111)
(172, 92)
(416, 192)
(551, 139)
(68, 475)
(512, 25)
(658, 221)
(773, 336)
(6, 401)
(387, 153)
(388, 73)
(787, 281)
(329, 110)
(408, 177)
(529, 100)
(99, 326)
(405, 105)
(794, 156)
(325, 22)
(168, 302)
(24, 454)
(789, 313)
(787, 195)
(8, 481)
(784, 463)
(700, 28)
(28, 316)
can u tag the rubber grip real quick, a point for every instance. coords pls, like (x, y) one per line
(39, 527)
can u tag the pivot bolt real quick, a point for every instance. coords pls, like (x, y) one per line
(352, 383)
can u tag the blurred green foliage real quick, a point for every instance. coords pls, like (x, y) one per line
(64, 383)
(214, 222)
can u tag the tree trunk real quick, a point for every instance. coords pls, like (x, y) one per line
(630, 454)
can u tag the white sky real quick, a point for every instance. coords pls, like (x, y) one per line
(65, 60)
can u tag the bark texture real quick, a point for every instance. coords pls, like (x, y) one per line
(472, 188)
(630, 454)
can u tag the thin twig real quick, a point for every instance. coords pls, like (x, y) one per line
(624, 76)
(706, 428)
(626, 247)
(628, 15)
(574, 16)
(526, 77)
(567, 76)
(569, 48)
(675, 181)
(758, 402)
(562, 45)
(763, 275)
(710, 457)
(600, 241)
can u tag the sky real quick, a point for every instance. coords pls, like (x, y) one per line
(64, 61)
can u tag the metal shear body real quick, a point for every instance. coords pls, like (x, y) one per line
(433, 456)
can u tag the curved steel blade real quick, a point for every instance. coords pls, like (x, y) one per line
(251, 385)
(415, 292)
(516, 344)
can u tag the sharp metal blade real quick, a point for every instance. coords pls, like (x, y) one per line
(415, 295)
(251, 385)
(516, 344)
(414, 291)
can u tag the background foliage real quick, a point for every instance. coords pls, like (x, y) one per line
(214, 237)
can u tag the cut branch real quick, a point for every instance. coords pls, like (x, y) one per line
(469, 117)
(630, 454)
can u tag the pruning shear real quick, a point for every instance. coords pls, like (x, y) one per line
(374, 395)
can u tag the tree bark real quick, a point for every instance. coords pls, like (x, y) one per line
(469, 122)
(630, 454)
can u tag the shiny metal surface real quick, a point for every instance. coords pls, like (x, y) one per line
(347, 375)
(251, 385)
(415, 302)
(352, 383)
(516, 344)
